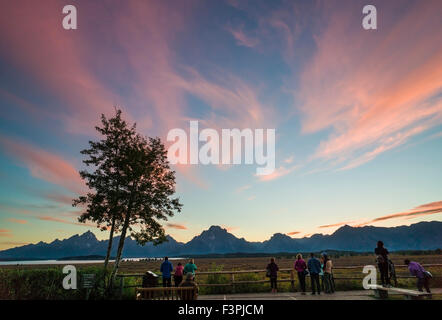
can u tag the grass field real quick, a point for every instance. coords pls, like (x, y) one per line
(353, 277)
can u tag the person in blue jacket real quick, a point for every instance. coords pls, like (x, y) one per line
(166, 269)
(314, 267)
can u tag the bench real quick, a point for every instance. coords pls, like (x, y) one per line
(382, 292)
(167, 293)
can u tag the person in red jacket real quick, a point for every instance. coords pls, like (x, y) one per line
(301, 269)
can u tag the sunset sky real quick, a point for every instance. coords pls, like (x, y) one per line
(357, 113)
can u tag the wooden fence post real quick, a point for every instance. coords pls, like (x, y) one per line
(292, 280)
(232, 280)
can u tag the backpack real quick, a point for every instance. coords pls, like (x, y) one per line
(380, 259)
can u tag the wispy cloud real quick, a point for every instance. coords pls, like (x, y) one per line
(338, 224)
(378, 104)
(59, 220)
(278, 173)
(176, 226)
(19, 221)
(422, 210)
(6, 233)
(293, 233)
(45, 165)
(13, 243)
(242, 39)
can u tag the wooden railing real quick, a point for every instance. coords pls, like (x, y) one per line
(291, 272)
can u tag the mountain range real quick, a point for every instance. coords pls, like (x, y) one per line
(216, 240)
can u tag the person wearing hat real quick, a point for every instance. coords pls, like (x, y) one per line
(189, 282)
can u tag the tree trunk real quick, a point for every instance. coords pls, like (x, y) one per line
(120, 249)
(109, 245)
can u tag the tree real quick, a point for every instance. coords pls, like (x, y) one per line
(133, 184)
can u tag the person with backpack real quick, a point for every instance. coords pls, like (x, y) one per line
(382, 260)
(272, 273)
(423, 277)
(314, 267)
(301, 269)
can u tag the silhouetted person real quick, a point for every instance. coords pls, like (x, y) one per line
(301, 269)
(189, 282)
(272, 270)
(382, 260)
(166, 269)
(327, 269)
(314, 267)
(178, 275)
(423, 278)
(190, 267)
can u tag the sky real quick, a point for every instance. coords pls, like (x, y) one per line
(357, 113)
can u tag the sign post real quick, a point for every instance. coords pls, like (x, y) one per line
(88, 282)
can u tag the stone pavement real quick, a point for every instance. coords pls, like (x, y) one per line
(340, 295)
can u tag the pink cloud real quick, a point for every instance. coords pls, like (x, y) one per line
(13, 243)
(19, 221)
(144, 34)
(59, 220)
(293, 233)
(6, 233)
(176, 226)
(45, 165)
(278, 173)
(422, 210)
(58, 59)
(336, 224)
(374, 90)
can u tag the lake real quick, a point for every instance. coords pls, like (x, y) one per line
(58, 262)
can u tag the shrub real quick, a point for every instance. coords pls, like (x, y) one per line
(46, 284)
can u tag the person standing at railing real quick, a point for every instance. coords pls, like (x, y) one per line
(321, 274)
(166, 269)
(190, 267)
(382, 260)
(423, 277)
(272, 273)
(328, 281)
(314, 267)
(301, 269)
(178, 275)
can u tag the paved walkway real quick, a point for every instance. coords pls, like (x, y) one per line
(340, 295)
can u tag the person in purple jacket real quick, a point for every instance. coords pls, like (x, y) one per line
(419, 272)
(301, 267)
